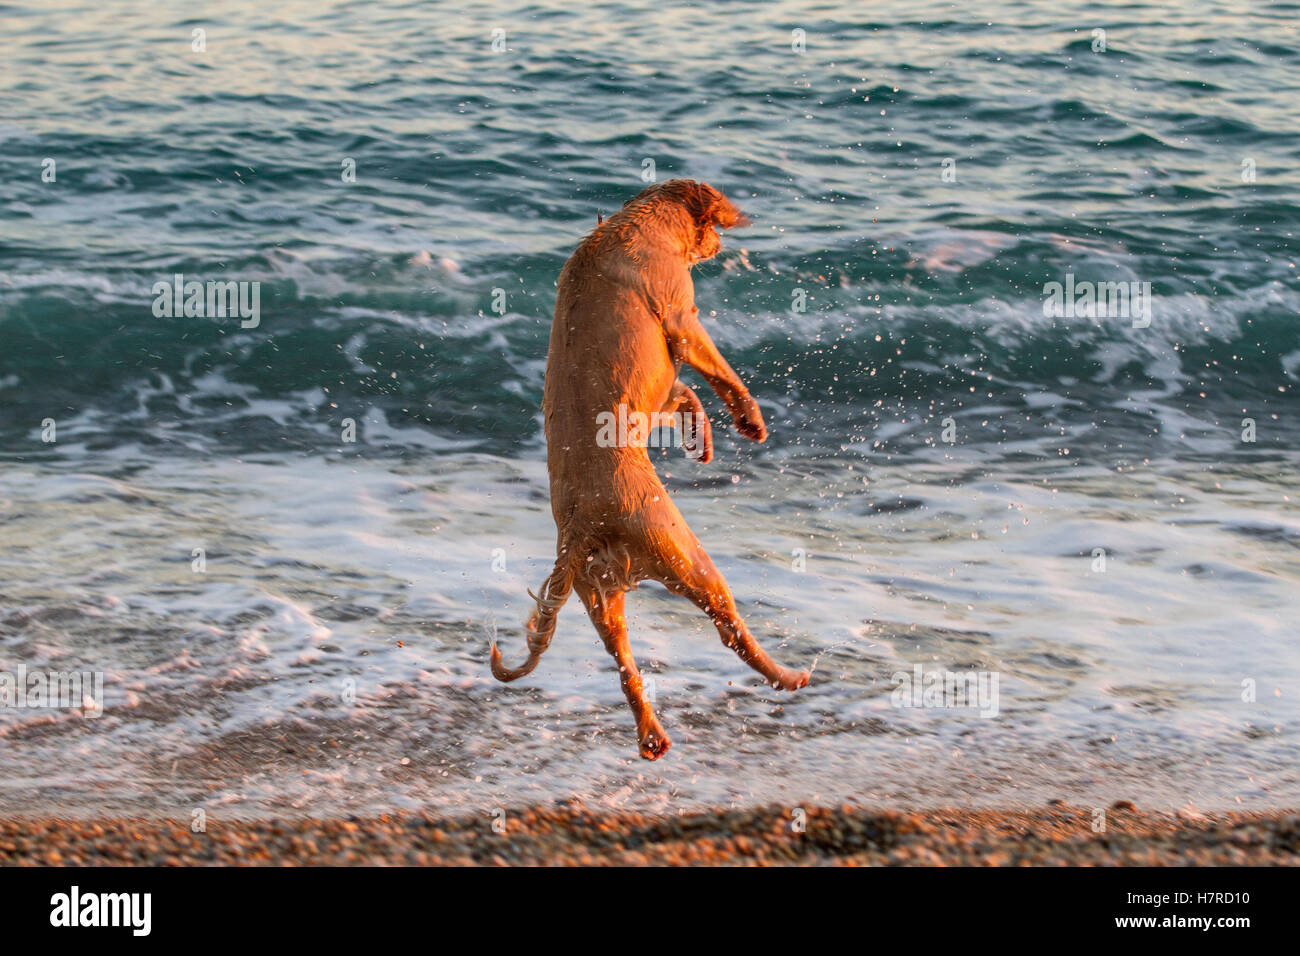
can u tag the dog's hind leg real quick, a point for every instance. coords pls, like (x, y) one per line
(690, 572)
(606, 612)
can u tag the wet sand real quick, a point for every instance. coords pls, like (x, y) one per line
(572, 835)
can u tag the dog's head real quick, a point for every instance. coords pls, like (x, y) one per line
(707, 209)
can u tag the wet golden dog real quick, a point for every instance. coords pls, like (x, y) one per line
(625, 322)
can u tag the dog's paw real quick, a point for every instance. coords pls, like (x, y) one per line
(654, 743)
(750, 421)
(697, 440)
(792, 680)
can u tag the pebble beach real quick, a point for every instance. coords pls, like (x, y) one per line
(571, 835)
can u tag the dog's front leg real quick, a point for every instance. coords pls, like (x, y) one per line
(690, 343)
(692, 420)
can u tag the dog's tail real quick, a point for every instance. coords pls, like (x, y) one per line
(541, 623)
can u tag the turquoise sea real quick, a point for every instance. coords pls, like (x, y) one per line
(289, 621)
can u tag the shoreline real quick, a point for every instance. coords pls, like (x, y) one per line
(569, 834)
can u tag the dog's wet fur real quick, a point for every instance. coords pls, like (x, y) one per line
(625, 322)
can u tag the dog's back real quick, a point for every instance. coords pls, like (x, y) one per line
(608, 355)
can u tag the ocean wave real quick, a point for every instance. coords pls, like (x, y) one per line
(402, 362)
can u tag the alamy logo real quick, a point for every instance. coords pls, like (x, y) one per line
(55, 690)
(214, 299)
(969, 690)
(103, 909)
(1098, 300)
